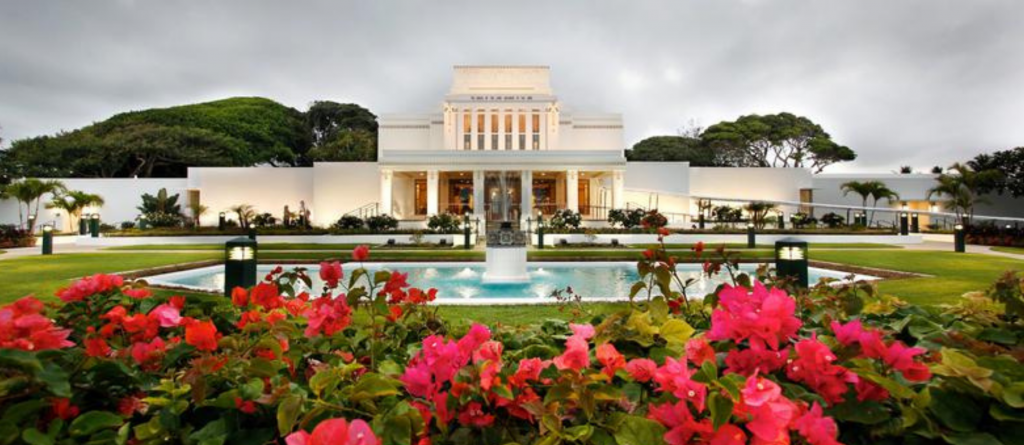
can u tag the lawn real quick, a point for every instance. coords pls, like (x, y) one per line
(270, 247)
(1017, 250)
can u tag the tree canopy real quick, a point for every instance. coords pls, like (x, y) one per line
(673, 149)
(1009, 163)
(775, 140)
(164, 142)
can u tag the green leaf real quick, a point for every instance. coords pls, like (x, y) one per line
(636, 430)
(372, 386)
(578, 433)
(287, 414)
(1013, 395)
(33, 436)
(721, 409)
(94, 421)
(957, 411)
(972, 439)
(676, 332)
(868, 413)
(213, 433)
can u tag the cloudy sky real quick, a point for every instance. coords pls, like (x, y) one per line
(917, 82)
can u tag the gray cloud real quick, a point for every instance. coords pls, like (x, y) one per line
(919, 82)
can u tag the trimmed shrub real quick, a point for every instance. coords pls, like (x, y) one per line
(349, 222)
(381, 223)
(14, 236)
(443, 223)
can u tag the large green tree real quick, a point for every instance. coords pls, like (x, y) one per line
(775, 140)
(1009, 163)
(673, 149)
(341, 132)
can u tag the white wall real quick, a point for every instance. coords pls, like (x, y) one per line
(341, 187)
(267, 189)
(776, 184)
(590, 132)
(661, 185)
(122, 196)
(408, 132)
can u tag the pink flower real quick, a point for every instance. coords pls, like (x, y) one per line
(22, 326)
(677, 418)
(477, 335)
(759, 391)
(145, 354)
(335, 432)
(473, 415)
(166, 315)
(901, 358)
(361, 253)
(529, 370)
(817, 429)
(755, 359)
(847, 334)
(327, 316)
(729, 434)
(674, 377)
(576, 355)
(699, 351)
(813, 367)
(761, 316)
(331, 273)
(771, 412)
(610, 358)
(641, 369)
(89, 286)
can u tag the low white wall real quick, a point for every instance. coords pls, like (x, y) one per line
(267, 189)
(122, 196)
(769, 184)
(341, 187)
(304, 239)
(635, 238)
(938, 237)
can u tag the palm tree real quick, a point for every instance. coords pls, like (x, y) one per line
(962, 187)
(876, 190)
(196, 210)
(73, 203)
(245, 213)
(30, 192)
(758, 211)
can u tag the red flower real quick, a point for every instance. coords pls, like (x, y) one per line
(698, 248)
(335, 432)
(757, 358)
(22, 326)
(239, 297)
(96, 347)
(394, 313)
(868, 390)
(529, 370)
(127, 406)
(663, 232)
(327, 316)
(202, 335)
(177, 301)
(361, 253)
(396, 282)
(89, 286)
(63, 409)
(678, 419)
(816, 428)
(649, 254)
(473, 415)
(848, 334)
(641, 369)
(146, 354)
(245, 406)
(699, 351)
(729, 435)
(610, 358)
(331, 273)
(138, 294)
(813, 367)
(266, 295)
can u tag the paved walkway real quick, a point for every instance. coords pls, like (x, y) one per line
(70, 248)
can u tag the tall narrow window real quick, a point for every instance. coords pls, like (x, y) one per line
(494, 129)
(480, 131)
(467, 131)
(522, 131)
(508, 129)
(536, 131)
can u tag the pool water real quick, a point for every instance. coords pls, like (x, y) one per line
(459, 283)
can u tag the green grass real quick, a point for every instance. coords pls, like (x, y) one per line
(42, 276)
(743, 246)
(1016, 250)
(270, 247)
(953, 274)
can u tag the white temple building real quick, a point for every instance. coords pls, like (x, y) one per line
(502, 128)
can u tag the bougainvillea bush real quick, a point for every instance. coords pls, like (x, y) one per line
(367, 360)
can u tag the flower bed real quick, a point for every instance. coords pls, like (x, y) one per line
(366, 360)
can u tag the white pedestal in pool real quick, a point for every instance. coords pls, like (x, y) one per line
(506, 264)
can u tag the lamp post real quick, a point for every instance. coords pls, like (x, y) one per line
(466, 231)
(252, 232)
(959, 239)
(904, 224)
(222, 221)
(143, 222)
(48, 239)
(700, 221)
(751, 236)
(540, 231)
(791, 260)
(915, 223)
(239, 264)
(83, 225)
(782, 220)
(94, 225)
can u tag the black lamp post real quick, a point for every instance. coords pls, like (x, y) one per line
(94, 225)
(47, 240)
(791, 260)
(904, 224)
(466, 231)
(915, 223)
(252, 232)
(782, 220)
(83, 225)
(959, 238)
(222, 221)
(239, 264)
(751, 236)
(700, 220)
(540, 231)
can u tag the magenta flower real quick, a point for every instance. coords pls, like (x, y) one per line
(761, 316)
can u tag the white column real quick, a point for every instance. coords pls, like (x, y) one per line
(449, 122)
(526, 195)
(501, 130)
(529, 129)
(553, 127)
(572, 190)
(543, 128)
(432, 196)
(618, 194)
(478, 193)
(473, 129)
(385, 191)
(515, 129)
(458, 129)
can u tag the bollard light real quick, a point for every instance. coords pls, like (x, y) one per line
(791, 260)
(466, 232)
(751, 236)
(48, 239)
(222, 221)
(239, 264)
(94, 225)
(252, 233)
(904, 224)
(83, 224)
(959, 239)
(700, 221)
(143, 222)
(540, 231)
(782, 220)
(915, 223)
